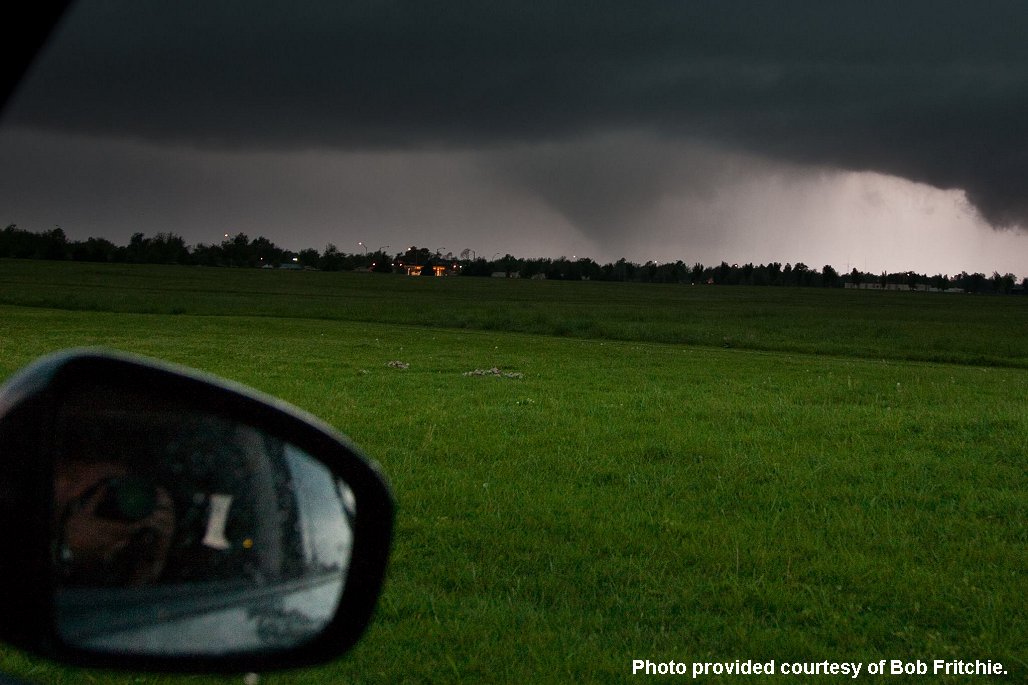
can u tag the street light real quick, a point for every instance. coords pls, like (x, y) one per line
(364, 246)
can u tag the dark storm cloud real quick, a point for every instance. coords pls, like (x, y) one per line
(936, 92)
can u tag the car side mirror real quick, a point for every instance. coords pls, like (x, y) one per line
(159, 518)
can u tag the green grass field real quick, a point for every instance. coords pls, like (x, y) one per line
(686, 473)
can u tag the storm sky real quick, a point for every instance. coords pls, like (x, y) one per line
(876, 135)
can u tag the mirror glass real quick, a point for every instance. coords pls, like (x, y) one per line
(177, 532)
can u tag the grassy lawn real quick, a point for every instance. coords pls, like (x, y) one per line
(966, 329)
(682, 473)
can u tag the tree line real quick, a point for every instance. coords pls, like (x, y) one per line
(242, 251)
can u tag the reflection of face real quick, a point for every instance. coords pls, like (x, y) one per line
(113, 528)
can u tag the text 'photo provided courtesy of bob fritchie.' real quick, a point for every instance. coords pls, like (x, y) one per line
(852, 669)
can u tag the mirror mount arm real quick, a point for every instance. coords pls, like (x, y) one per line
(26, 419)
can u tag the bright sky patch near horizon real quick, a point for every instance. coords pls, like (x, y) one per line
(858, 135)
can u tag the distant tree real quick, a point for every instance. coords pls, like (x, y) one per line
(802, 275)
(95, 250)
(477, 267)
(509, 264)
(624, 270)
(672, 272)
(416, 256)
(381, 262)
(531, 267)
(137, 247)
(55, 245)
(208, 255)
(1002, 284)
(587, 269)
(308, 258)
(914, 279)
(975, 283)
(19, 243)
(267, 252)
(22, 244)
(331, 259)
(167, 248)
(237, 251)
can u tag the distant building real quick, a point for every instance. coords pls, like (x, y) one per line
(421, 269)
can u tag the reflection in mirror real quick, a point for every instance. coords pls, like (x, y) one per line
(177, 532)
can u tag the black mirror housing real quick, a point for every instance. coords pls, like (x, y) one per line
(42, 409)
